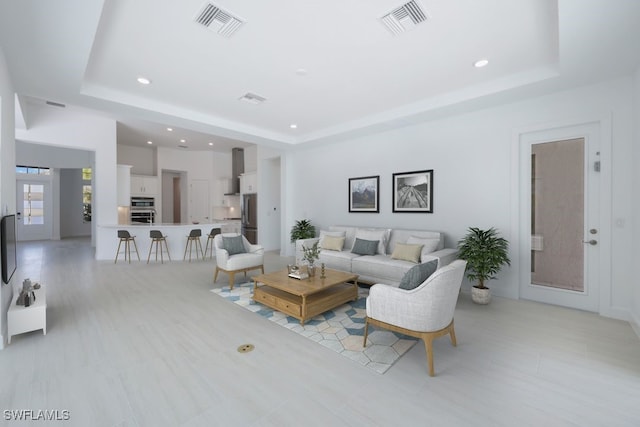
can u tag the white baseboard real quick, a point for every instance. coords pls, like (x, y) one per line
(1, 342)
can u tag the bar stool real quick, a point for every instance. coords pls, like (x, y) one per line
(158, 238)
(127, 239)
(193, 237)
(214, 232)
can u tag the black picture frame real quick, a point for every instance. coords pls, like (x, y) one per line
(413, 191)
(364, 194)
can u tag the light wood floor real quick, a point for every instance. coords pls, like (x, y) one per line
(150, 345)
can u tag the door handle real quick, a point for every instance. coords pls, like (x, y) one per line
(592, 242)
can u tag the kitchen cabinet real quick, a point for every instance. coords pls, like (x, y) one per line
(249, 182)
(144, 185)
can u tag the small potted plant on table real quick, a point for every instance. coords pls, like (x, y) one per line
(311, 255)
(485, 253)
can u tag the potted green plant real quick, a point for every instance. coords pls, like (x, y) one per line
(485, 252)
(302, 229)
(311, 255)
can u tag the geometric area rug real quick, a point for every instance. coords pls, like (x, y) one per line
(340, 329)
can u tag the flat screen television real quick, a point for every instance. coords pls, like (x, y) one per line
(8, 247)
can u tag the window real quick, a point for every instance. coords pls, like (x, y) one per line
(86, 174)
(33, 170)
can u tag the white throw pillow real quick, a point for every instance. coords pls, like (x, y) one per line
(324, 233)
(429, 245)
(382, 236)
(332, 243)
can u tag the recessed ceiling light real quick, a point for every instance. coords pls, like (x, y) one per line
(149, 142)
(144, 81)
(293, 126)
(170, 129)
(481, 63)
(183, 140)
(301, 71)
(211, 144)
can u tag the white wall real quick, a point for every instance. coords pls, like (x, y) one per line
(7, 176)
(142, 159)
(634, 280)
(53, 157)
(269, 198)
(472, 158)
(251, 158)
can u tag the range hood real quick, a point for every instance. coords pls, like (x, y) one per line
(237, 169)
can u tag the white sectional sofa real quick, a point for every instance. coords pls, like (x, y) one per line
(380, 267)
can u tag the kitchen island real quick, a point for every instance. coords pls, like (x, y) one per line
(176, 238)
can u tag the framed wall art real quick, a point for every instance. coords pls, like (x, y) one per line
(413, 191)
(364, 194)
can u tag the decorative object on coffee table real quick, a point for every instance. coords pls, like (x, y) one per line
(485, 253)
(311, 255)
(364, 195)
(413, 191)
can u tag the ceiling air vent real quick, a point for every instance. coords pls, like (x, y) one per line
(252, 98)
(404, 18)
(218, 20)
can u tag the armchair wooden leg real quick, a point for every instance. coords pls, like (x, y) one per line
(428, 343)
(366, 331)
(215, 276)
(452, 334)
(231, 279)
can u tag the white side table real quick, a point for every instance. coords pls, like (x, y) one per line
(21, 319)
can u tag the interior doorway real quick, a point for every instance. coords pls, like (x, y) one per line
(172, 202)
(177, 195)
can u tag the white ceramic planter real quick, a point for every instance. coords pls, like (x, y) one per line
(480, 296)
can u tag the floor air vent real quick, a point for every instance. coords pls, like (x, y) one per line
(404, 18)
(218, 20)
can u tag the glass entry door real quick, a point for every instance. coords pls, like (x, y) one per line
(559, 211)
(557, 214)
(34, 213)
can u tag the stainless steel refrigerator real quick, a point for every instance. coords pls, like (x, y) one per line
(250, 217)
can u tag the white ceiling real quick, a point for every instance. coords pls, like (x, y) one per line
(358, 76)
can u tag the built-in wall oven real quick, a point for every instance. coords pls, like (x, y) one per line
(143, 210)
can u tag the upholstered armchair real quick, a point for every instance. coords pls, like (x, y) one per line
(425, 312)
(234, 254)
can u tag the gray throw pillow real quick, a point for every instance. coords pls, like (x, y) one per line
(234, 245)
(365, 247)
(418, 274)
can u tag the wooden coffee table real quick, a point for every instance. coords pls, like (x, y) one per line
(305, 298)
